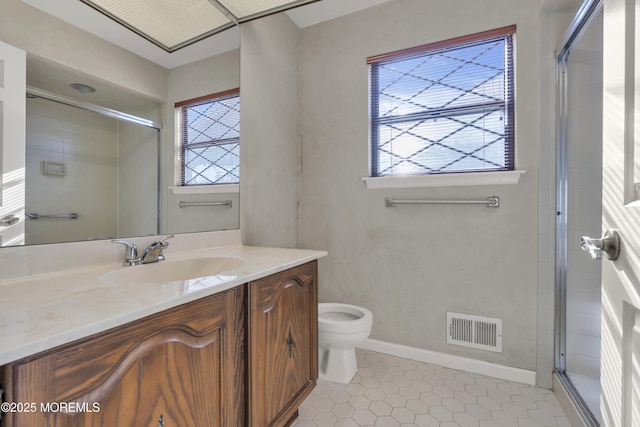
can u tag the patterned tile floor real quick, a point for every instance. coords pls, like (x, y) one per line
(389, 391)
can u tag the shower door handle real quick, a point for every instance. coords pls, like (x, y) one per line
(609, 244)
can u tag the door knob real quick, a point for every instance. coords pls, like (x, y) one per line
(609, 244)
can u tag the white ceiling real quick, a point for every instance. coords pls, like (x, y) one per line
(553, 5)
(80, 15)
(325, 10)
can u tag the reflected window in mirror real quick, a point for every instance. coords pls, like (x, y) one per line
(210, 139)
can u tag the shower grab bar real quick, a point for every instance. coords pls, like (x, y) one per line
(226, 203)
(491, 202)
(34, 215)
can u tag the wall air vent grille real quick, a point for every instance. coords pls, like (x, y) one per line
(479, 332)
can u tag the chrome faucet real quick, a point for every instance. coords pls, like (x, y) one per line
(131, 254)
(153, 252)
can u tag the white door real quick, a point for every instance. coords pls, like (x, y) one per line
(12, 144)
(620, 366)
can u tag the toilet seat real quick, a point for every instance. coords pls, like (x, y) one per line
(343, 318)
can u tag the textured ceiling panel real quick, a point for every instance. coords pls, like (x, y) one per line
(173, 24)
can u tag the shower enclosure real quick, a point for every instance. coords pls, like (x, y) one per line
(91, 172)
(579, 210)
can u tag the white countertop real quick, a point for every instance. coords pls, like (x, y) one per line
(43, 311)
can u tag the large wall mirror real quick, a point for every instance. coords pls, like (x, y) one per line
(90, 174)
(114, 174)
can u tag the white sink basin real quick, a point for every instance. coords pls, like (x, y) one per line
(169, 271)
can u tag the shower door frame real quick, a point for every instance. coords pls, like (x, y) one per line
(581, 22)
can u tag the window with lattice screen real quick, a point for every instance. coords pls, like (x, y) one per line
(210, 133)
(446, 107)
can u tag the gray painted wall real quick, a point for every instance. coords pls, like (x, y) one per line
(269, 162)
(408, 265)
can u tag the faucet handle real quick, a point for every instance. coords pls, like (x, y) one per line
(131, 254)
(164, 241)
(164, 244)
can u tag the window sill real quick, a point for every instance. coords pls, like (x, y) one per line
(445, 180)
(206, 189)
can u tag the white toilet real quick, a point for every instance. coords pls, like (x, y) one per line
(341, 327)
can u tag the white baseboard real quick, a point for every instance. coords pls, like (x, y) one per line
(453, 362)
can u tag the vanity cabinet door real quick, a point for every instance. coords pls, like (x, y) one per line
(282, 344)
(181, 367)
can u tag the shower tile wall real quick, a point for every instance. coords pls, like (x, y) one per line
(86, 143)
(137, 177)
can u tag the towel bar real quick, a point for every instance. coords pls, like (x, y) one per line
(491, 202)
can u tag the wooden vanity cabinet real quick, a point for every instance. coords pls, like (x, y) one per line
(187, 366)
(181, 367)
(282, 344)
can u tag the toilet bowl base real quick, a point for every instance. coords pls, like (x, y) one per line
(337, 365)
